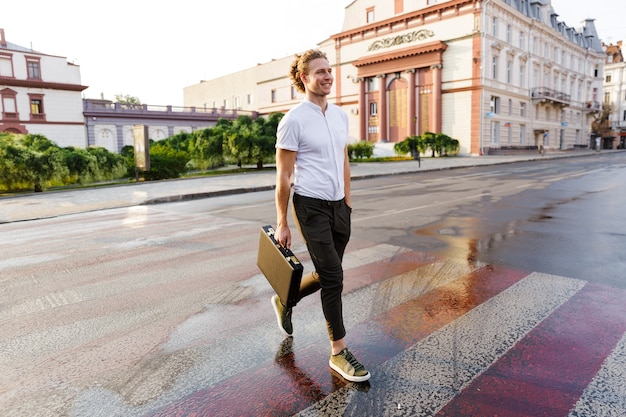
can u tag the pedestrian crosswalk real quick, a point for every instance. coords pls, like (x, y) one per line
(441, 338)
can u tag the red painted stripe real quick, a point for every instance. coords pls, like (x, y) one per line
(298, 380)
(545, 373)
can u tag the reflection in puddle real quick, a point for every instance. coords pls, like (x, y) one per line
(464, 240)
(136, 217)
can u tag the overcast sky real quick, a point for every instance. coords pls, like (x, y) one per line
(152, 50)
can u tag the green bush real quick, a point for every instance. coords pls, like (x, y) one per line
(360, 150)
(35, 162)
(439, 144)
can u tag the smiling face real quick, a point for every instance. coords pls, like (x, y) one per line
(319, 79)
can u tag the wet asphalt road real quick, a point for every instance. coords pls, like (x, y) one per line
(477, 291)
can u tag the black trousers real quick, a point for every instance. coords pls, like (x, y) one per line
(325, 227)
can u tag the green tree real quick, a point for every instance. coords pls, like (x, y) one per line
(207, 148)
(431, 142)
(82, 166)
(31, 161)
(13, 163)
(449, 145)
(35, 162)
(109, 165)
(128, 101)
(414, 145)
(247, 143)
(438, 143)
(166, 162)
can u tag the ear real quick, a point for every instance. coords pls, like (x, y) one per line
(303, 78)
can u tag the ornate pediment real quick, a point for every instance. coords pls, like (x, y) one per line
(418, 35)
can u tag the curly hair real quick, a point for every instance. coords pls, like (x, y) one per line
(300, 65)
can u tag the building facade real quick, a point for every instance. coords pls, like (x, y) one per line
(615, 94)
(494, 74)
(40, 94)
(109, 125)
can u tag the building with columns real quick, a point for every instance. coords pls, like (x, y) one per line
(494, 74)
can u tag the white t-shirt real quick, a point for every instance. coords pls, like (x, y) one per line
(320, 142)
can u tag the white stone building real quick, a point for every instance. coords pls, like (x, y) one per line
(40, 94)
(615, 94)
(494, 74)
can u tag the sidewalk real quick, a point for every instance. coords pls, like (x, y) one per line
(58, 203)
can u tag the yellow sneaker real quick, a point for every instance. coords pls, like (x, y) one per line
(346, 365)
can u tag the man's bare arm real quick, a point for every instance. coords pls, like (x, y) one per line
(285, 161)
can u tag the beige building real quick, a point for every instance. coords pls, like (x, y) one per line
(494, 74)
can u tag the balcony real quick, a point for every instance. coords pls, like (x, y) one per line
(593, 106)
(544, 94)
(98, 108)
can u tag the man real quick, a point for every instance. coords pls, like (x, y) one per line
(312, 143)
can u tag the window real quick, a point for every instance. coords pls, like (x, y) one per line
(579, 91)
(373, 108)
(522, 134)
(522, 109)
(294, 92)
(36, 107)
(370, 15)
(607, 97)
(34, 72)
(548, 113)
(237, 103)
(522, 75)
(8, 105)
(509, 72)
(226, 103)
(556, 55)
(608, 78)
(273, 95)
(509, 34)
(624, 116)
(522, 41)
(495, 104)
(510, 107)
(494, 67)
(596, 72)
(6, 66)
(249, 98)
(494, 26)
(495, 132)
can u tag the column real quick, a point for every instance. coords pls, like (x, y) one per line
(436, 114)
(383, 107)
(363, 113)
(412, 105)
